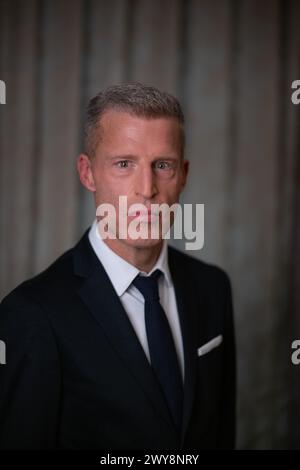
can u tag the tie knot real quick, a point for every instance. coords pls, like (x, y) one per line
(148, 285)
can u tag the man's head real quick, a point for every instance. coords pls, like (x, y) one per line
(134, 147)
(135, 99)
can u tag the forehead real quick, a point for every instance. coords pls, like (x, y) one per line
(119, 128)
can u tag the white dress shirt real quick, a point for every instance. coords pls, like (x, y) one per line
(122, 273)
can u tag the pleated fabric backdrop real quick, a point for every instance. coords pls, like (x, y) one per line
(231, 63)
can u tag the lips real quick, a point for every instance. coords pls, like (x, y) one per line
(148, 217)
(144, 215)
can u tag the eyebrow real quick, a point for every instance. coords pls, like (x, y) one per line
(121, 157)
(135, 157)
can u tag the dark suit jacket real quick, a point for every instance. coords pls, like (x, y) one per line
(76, 376)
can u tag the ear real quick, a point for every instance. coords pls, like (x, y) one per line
(84, 168)
(185, 170)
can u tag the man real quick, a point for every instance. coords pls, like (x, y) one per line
(123, 342)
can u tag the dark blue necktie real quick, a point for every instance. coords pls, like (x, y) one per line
(161, 345)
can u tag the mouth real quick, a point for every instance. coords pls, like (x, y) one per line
(144, 215)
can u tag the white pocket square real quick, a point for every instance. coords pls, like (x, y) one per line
(213, 343)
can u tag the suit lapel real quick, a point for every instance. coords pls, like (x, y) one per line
(188, 310)
(99, 296)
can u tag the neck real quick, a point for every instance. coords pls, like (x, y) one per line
(143, 258)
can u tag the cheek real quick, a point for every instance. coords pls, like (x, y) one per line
(170, 190)
(104, 187)
(108, 193)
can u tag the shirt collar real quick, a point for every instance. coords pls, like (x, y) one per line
(120, 272)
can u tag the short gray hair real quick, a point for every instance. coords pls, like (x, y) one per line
(136, 99)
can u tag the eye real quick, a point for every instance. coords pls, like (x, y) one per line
(122, 164)
(163, 165)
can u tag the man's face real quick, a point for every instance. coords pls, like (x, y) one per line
(138, 158)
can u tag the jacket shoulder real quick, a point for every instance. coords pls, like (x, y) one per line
(206, 272)
(24, 303)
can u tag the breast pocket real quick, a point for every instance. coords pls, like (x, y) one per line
(210, 345)
(210, 359)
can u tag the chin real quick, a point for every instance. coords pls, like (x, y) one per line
(143, 243)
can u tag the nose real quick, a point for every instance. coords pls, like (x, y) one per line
(146, 183)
